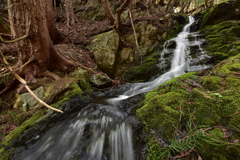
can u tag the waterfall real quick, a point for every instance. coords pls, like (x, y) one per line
(103, 130)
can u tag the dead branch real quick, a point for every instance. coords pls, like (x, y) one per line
(25, 84)
(108, 11)
(12, 41)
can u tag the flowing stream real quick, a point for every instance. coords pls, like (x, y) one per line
(102, 130)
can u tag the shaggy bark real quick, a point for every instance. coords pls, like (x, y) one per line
(29, 17)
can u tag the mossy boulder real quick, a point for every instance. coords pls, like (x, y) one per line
(52, 92)
(55, 93)
(105, 47)
(148, 37)
(227, 10)
(223, 39)
(207, 101)
(143, 72)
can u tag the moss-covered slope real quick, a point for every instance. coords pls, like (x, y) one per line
(206, 101)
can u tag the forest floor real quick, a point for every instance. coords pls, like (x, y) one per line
(77, 37)
(74, 48)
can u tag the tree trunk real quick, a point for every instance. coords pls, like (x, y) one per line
(29, 17)
(69, 12)
(55, 35)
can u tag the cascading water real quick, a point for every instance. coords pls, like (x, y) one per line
(103, 130)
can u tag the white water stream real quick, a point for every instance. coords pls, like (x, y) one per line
(108, 126)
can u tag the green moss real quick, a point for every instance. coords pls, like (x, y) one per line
(160, 110)
(4, 155)
(212, 83)
(235, 121)
(223, 39)
(183, 97)
(19, 131)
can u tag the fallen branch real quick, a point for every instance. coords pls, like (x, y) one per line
(25, 84)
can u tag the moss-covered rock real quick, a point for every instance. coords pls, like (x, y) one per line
(223, 39)
(228, 10)
(145, 71)
(210, 101)
(148, 37)
(105, 47)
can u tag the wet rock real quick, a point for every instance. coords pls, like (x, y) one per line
(180, 19)
(100, 81)
(105, 48)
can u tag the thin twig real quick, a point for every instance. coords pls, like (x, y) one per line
(135, 35)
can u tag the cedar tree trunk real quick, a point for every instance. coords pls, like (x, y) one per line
(69, 12)
(29, 17)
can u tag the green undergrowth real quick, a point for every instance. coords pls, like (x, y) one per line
(209, 101)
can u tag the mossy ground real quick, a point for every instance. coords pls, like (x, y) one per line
(210, 100)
